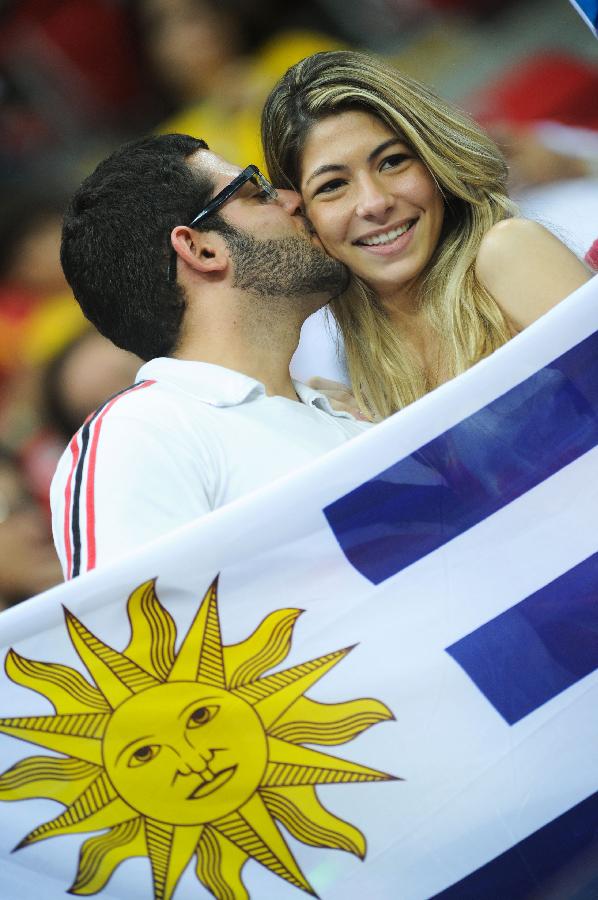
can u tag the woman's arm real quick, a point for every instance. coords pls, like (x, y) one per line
(527, 269)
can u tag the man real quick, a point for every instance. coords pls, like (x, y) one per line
(208, 273)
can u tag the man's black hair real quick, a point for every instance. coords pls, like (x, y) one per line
(116, 241)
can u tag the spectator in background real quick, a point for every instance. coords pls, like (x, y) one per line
(216, 61)
(30, 272)
(70, 81)
(543, 113)
(28, 561)
(38, 314)
(86, 372)
(553, 176)
(49, 377)
(535, 160)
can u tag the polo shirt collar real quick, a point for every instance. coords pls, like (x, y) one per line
(211, 384)
(222, 387)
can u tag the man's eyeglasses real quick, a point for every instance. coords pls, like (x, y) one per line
(251, 173)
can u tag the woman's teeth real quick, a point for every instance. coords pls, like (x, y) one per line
(388, 236)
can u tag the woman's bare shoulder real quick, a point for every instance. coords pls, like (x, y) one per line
(527, 269)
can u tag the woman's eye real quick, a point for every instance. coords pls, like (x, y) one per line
(330, 186)
(200, 716)
(144, 754)
(391, 162)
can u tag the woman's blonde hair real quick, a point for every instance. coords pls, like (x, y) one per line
(470, 173)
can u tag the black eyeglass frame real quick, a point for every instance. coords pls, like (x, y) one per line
(250, 173)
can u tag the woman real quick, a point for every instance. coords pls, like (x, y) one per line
(411, 194)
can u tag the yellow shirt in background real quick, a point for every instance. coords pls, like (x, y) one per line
(230, 122)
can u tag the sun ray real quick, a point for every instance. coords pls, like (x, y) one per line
(96, 807)
(300, 811)
(219, 865)
(260, 690)
(311, 722)
(100, 856)
(65, 688)
(78, 735)
(291, 684)
(115, 813)
(265, 648)
(200, 657)
(116, 676)
(253, 829)
(170, 848)
(153, 632)
(290, 765)
(47, 776)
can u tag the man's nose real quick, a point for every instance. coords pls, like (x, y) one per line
(373, 199)
(289, 200)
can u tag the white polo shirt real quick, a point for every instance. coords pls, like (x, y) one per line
(186, 438)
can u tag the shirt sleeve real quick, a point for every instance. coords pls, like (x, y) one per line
(122, 484)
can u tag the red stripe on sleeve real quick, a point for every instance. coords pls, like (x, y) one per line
(75, 450)
(91, 468)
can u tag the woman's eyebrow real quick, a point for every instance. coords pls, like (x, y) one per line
(338, 167)
(384, 146)
(322, 170)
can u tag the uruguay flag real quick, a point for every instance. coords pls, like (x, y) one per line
(375, 678)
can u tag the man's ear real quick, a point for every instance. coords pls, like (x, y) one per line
(202, 251)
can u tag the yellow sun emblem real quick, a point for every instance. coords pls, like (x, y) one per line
(189, 753)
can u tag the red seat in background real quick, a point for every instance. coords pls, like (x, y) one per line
(547, 86)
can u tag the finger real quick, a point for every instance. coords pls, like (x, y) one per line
(350, 407)
(340, 396)
(326, 384)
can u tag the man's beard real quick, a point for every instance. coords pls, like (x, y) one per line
(284, 267)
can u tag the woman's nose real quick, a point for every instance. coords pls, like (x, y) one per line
(373, 199)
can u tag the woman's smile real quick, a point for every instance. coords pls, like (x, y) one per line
(386, 241)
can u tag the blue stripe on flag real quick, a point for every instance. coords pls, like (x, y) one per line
(557, 862)
(538, 648)
(473, 469)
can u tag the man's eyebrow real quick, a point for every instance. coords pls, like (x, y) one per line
(337, 167)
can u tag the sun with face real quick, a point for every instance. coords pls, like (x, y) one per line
(188, 754)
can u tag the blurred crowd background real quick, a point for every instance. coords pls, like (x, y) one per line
(78, 77)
